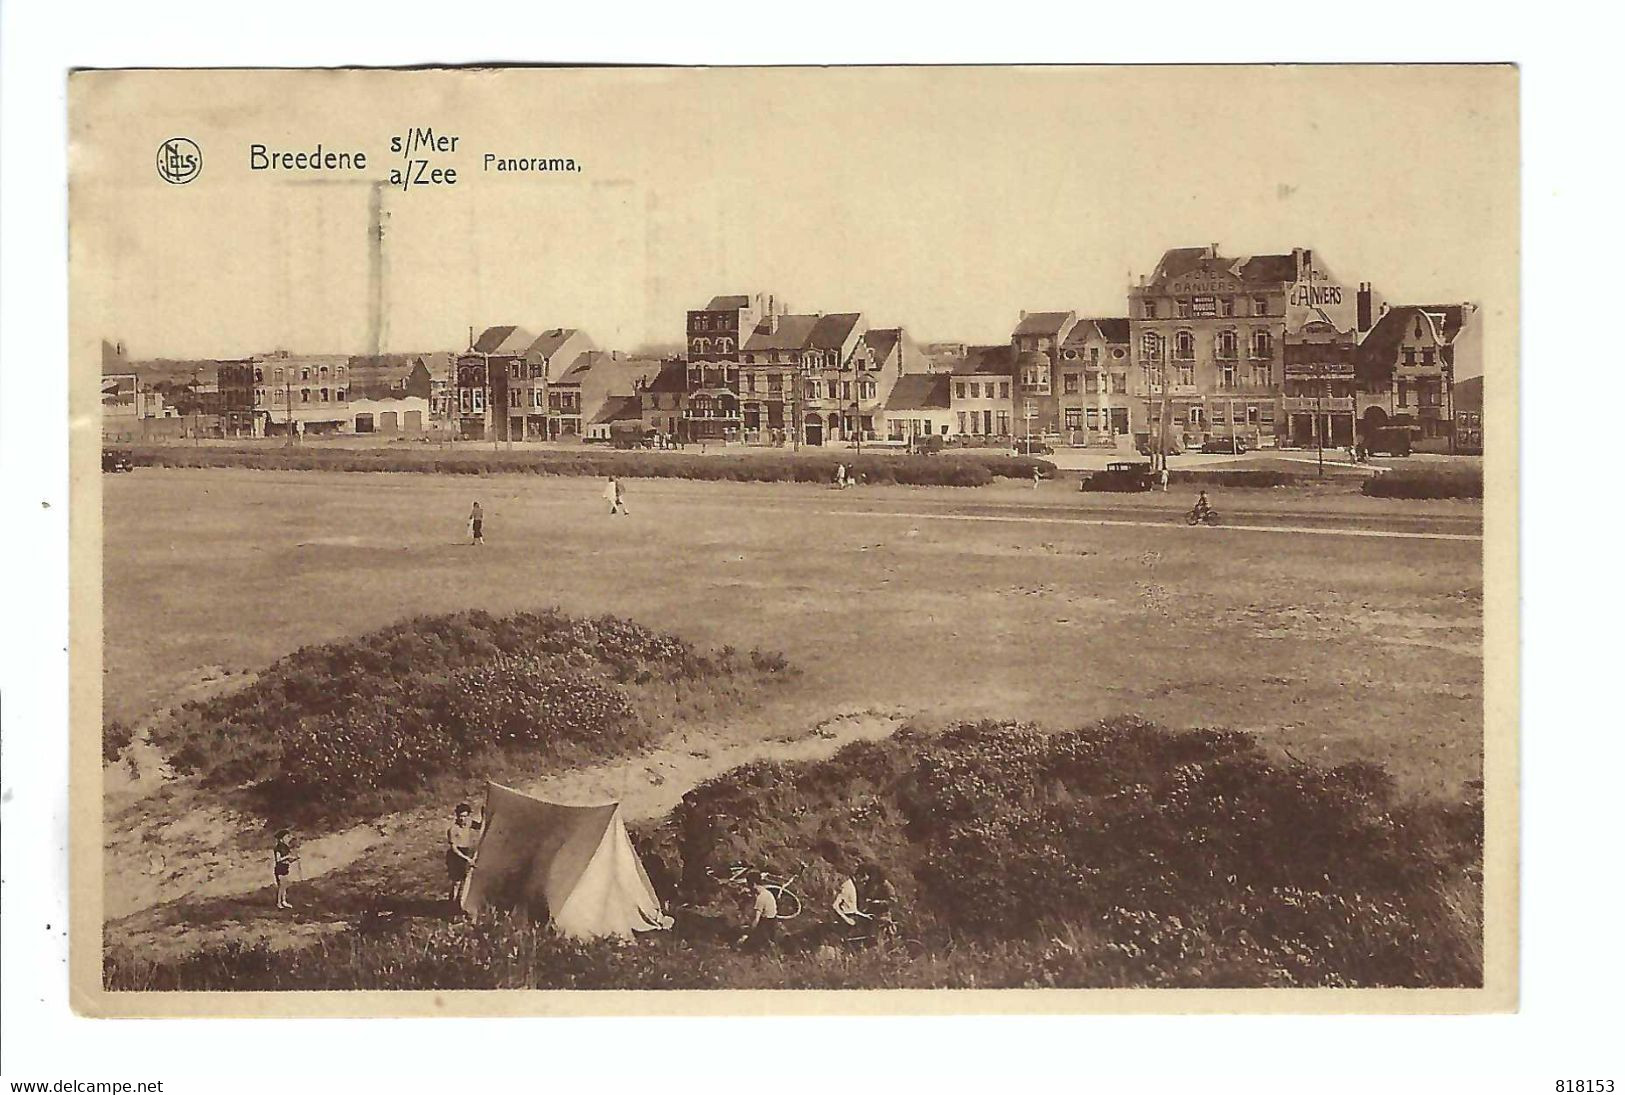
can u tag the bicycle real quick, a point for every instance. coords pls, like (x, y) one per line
(783, 896)
(883, 934)
(1204, 517)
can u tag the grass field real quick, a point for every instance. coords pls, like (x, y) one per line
(1332, 647)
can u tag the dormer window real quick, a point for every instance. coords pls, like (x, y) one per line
(1150, 309)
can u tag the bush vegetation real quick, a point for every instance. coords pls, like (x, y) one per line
(1116, 854)
(967, 469)
(343, 726)
(1455, 483)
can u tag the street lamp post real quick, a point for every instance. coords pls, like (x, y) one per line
(857, 424)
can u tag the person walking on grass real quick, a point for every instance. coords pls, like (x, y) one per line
(476, 524)
(1162, 478)
(461, 837)
(1038, 476)
(282, 861)
(615, 495)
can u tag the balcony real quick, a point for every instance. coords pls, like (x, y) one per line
(1336, 404)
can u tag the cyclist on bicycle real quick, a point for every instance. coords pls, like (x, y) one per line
(1202, 508)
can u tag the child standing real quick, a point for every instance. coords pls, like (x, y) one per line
(476, 524)
(282, 860)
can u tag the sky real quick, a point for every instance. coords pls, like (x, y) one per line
(945, 201)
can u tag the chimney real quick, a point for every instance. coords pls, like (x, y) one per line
(1213, 250)
(773, 323)
(1024, 315)
(1362, 308)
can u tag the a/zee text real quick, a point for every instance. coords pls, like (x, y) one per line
(262, 158)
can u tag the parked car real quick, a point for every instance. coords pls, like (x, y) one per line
(1224, 444)
(1121, 477)
(113, 460)
(1146, 445)
(1033, 446)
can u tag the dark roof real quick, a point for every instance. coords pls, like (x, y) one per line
(727, 304)
(791, 333)
(618, 408)
(548, 342)
(882, 341)
(672, 377)
(1113, 329)
(1041, 323)
(503, 340)
(1269, 268)
(1469, 394)
(921, 392)
(1383, 340)
(1257, 269)
(990, 360)
(832, 331)
(1178, 260)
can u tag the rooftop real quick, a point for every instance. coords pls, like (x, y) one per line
(1042, 323)
(921, 392)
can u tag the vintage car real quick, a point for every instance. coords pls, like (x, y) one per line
(1224, 444)
(1123, 476)
(113, 460)
(1033, 446)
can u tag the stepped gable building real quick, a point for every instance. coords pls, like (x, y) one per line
(1037, 340)
(1208, 336)
(1407, 366)
(981, 392)
(1094, 394)
(715, 338)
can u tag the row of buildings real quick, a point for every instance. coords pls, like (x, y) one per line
(1270, 349)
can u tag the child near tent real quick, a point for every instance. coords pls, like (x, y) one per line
(282, 860)
(461, 837)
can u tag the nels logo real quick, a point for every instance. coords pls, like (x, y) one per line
(180, 160)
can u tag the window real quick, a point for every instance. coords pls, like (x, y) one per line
(1187, 373)
(1183, 305)
(276, 395)
(464, 399)
(1004, 389)
(1069, 383)
(775, 384)
(1151, 346)
(304, 374)
(304, 395)
(1261, 376)
(1261, 343)
(701, 345)
(339, 371)
(341, 395)
(1184, 346)
(479, 400)
(1427, 357)
(323, 372)
(325, 395)
(959, 390)
(1150, 309)
(1261, 306)
(961, 421)
(1091, 384)
(259, 376)
(1227, 306)
(1227, 374)
(259, 395)
(1197, 416)
(1404, 394)
(1227, 345)
(725, 345)
(1074, 418)
(1003, 418)
(829, 387)
(279, 374)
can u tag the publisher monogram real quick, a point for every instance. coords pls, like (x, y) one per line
(180, 160)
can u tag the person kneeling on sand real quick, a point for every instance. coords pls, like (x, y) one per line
(282, 860)
(461, 837)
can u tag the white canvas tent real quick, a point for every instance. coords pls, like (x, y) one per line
(573, 865)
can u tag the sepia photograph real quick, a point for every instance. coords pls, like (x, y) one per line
(928, 539)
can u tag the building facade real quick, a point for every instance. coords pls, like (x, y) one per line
(919, 405)
(716, 335)
(1208, 335)
(1408, 365)
(1093, 393)
(981, 394)
(1037, 340)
